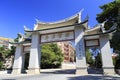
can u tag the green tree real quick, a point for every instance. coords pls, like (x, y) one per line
(1, 65)
(1, 57)
(89, 58)
(7, 52)
(51, 56)
(98, 62)
(117, 63)
(111, 14)
(4, 53)
(2, 49)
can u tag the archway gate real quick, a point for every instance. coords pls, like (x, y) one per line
(68, 29)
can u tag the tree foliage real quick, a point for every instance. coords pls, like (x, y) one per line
(98, 61)
(4, 53)
(89, 58)
(1, 65)
(117, 63)
(51, 56)
(111, 14)
(93, 57)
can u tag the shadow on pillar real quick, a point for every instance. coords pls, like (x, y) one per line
(25, 63)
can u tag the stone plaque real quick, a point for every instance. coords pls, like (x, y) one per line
(55, 37)
(26, 49)
(90, 43)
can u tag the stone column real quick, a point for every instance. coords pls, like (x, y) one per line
(107, 62)
(34, 60)
(17, 65)
(81, 67)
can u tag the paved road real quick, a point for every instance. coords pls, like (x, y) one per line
(58, 75)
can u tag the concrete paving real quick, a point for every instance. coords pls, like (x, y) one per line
(58, 75)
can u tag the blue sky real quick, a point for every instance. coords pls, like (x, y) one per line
(14, 14)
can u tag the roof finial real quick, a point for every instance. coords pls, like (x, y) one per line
(80, 13)
(102, 26)
(20, 37)
(37, 20)
(26, 29)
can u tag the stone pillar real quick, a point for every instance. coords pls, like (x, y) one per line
(34, 60)
(81, 67)
(107, 62)
(17, 65)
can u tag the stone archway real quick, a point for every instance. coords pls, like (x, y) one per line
(69, 29)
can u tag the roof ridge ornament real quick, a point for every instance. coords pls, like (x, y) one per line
(27, 29)
(102, 26)
(37, 21)
(20, 37)
(79, 14)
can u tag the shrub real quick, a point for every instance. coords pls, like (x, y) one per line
(1, 65)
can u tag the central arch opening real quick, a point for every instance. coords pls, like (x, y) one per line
(60, 57)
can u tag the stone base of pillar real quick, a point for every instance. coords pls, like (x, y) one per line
(108, 70)
(81, 71)
(16, 71)
(33, 71)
